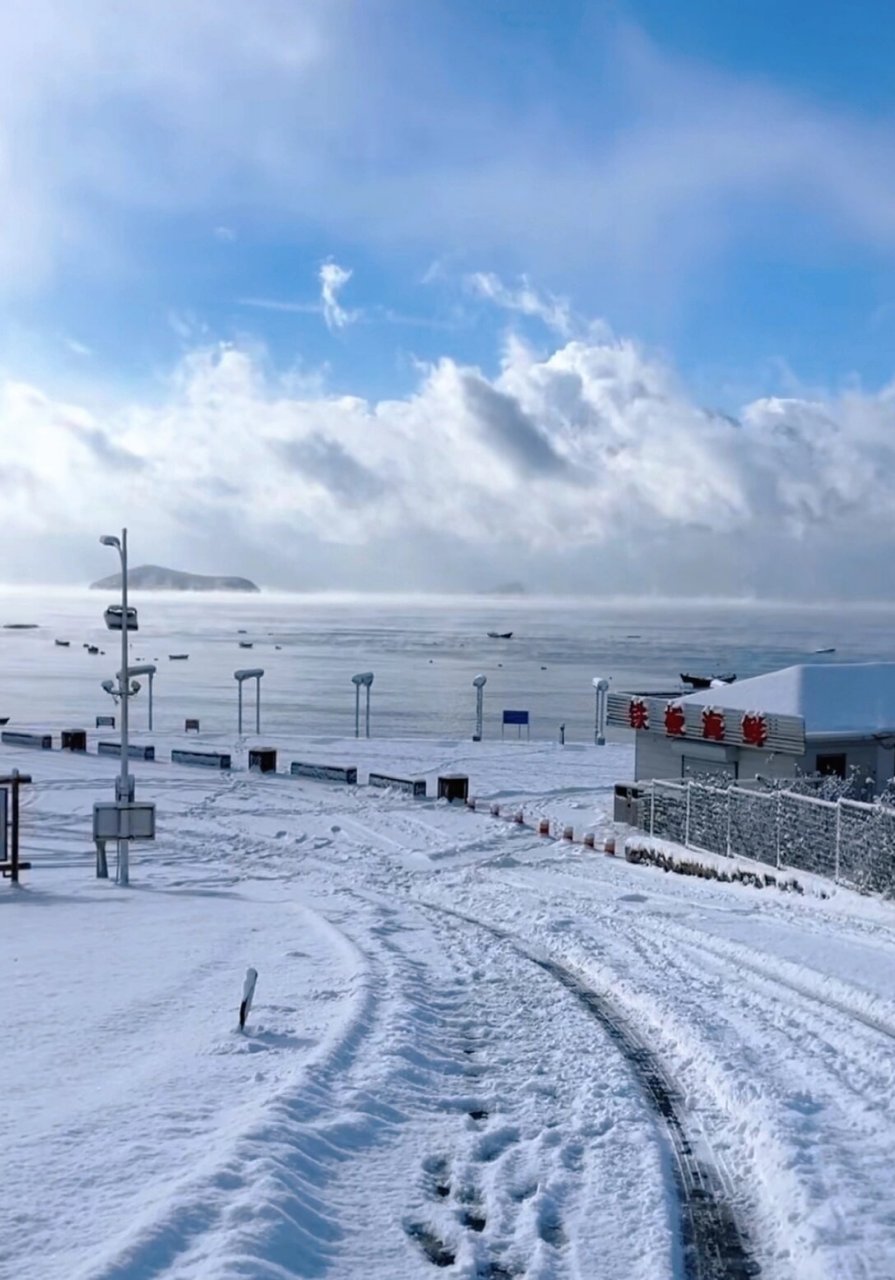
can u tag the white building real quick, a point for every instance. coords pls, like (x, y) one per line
(752, 727)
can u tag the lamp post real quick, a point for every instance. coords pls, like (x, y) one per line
(365, 680)
(601, 689)
(148, 669)
(479, 685)
(250, 673)
(124, 791)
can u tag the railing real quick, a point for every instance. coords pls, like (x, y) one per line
(847, 841)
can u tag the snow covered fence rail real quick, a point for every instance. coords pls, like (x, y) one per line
(847, 841)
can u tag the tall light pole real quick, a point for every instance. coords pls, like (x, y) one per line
(250, 673)
(601, 689)
(364, 679)
(479, 685)
(124, 790)
(147, 669)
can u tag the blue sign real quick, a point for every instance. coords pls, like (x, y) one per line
(515, 717)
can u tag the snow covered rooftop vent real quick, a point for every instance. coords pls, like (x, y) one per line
(836, 697)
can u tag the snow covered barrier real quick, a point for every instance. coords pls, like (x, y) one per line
(210, 759)
(15, 738)
(346, 773)
(135, 750)
(415, 787)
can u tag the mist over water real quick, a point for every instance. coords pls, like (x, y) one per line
(424, 652)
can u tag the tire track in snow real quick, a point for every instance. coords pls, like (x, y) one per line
(714, 1245)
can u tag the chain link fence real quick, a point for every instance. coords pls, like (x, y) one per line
(847, 841)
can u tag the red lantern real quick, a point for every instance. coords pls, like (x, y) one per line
(638, 714)
(755, 729)
(713, 724)
(675, 722)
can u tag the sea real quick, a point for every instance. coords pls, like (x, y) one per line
(424, 652)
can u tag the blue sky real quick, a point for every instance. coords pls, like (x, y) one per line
(711, 183)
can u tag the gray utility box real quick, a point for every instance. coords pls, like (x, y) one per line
(453, 786)
(628, 800)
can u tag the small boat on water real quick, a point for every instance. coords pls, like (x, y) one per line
(93, 648)
(831, 650)
(706, 682)
(178, 657)
(500, 635)
(63, 644)
(245, 644)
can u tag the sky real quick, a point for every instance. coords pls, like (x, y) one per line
(597, 297)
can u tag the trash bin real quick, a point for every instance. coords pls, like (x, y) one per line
(191, 726)
(627, 803)
(264, 759)
(74, 739)
(453, 786)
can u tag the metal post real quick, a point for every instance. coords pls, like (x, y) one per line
(778, 823)
(123, 843)
(652, 807)
(356, 710)
(150, 702)
(239, 689)
(687, 816)
(729, 807)
(838, 835)
(258, 706)
(479, 682)
(14, 851)
(368, 710)
(102, 865)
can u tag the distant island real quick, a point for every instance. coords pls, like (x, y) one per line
(152, 577)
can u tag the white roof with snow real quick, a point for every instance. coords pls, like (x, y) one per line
(851, 698)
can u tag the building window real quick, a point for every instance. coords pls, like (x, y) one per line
(832, 765)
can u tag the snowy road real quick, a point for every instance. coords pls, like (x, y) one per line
(472, 1050)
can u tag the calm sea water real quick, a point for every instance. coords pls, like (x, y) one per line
(424, 653)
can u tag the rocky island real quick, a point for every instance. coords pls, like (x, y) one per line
(153, 577)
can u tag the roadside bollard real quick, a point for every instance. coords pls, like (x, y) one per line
(568, 833)
(544, 827)
(589, 840)
(495, 809)
(609, 846)
(519, 817)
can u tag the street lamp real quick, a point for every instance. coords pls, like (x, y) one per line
(601, 689)
(124, 790)
(479, 684)
(364, 679)
(148, 669)
(250, 673)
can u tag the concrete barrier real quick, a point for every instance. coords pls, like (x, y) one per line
(105, 722)
(415, 787)
(210, 759)
(17, 738)
(346, 773)
(135, 750)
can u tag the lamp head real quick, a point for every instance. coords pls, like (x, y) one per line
(248, 673)
(109, 686)
(364, 678)
(480, 681)
(109, 540)
(600, 684)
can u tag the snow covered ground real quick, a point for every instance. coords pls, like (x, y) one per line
(471, 1050)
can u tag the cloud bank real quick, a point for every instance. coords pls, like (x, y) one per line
(586, 468)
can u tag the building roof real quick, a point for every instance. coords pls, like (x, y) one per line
(854, 699)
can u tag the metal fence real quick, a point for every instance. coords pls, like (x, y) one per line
(847, 841)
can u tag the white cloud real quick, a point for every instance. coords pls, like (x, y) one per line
(555, 313)
(333, 279)
(591, 467)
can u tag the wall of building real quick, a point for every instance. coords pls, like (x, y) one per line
(657, 756)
